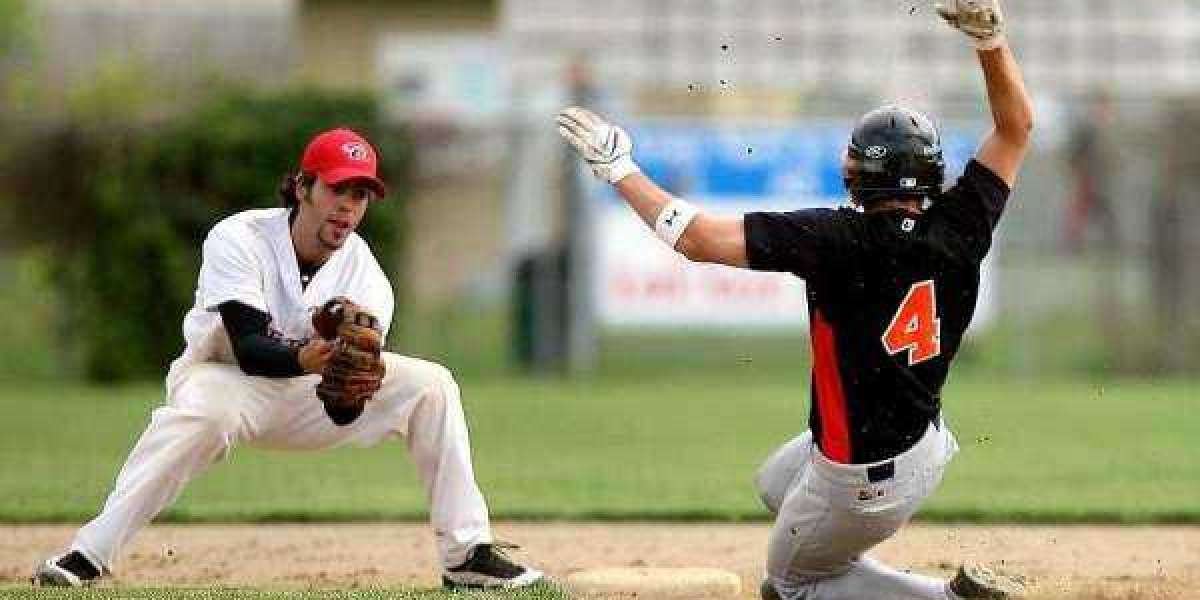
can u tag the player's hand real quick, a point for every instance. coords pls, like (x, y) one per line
(314, 355)
(982, 20)
(606, 148)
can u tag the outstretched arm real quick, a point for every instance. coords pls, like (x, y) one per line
(1004, 148)
(607, 149)
(708, 238)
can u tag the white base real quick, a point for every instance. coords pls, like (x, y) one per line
(657, 583)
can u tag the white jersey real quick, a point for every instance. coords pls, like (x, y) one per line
(249, 258)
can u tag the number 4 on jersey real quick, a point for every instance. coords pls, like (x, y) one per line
(915, 327)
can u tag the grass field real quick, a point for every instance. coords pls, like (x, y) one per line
(667, 447)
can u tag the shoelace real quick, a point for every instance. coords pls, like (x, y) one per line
(501, 548)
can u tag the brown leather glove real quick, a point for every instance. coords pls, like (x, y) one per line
(355, 371)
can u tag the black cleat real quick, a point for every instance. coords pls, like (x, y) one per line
(767, 591)
(68, 570)
(488, 567)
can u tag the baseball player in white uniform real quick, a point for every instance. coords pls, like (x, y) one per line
(252, 361)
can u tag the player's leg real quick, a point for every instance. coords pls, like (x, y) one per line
(209, 408)
(780, 472)
(430, 417)
(826, 524)
(420, 402)
(816, 552)
(869, 578)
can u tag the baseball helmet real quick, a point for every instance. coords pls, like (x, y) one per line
(894, 151)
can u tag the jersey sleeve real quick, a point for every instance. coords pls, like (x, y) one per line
(799, 242)
(230, 271)
(382, 304)
(974, 205)
(369, 286)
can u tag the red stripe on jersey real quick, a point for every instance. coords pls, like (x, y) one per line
(831, 398)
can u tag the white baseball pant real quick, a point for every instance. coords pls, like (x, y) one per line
(212, 407)
(829, 514)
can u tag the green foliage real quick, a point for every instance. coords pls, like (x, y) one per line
(124, 206)
(16, 31)
(31, 341)
(662, 447)
(20, 55)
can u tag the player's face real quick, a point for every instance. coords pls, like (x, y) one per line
(340, 208)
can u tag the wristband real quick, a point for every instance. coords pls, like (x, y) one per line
(673, 219)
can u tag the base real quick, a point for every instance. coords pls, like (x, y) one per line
(657, 583)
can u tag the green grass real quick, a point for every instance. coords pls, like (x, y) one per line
(27, 593)
(673, 446)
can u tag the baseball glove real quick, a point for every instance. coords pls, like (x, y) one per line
(355, 371)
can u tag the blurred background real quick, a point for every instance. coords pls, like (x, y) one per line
(129, 127)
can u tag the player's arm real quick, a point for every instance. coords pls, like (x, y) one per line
(1004, 148)
(707, 238)
(260, 354)
(607, 149)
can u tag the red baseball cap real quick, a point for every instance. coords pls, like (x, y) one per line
(341, 155)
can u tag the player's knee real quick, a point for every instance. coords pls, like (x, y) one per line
(201, 381)
(433, 382)
(440, 386)
(441, 380)
(201, 396)
(442, 376)
(769, 499)
(220, 424)
(198, 430)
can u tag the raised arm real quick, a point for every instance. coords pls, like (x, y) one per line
(1004, 148)
(608, 150)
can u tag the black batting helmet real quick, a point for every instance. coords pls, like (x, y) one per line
(893, 152)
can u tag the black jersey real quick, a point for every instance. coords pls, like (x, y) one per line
(890, 294)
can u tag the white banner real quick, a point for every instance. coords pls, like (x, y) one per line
(642, 282)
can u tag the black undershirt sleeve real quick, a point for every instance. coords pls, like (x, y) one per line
(257, 352)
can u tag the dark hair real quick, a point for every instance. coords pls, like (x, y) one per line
(287, 188)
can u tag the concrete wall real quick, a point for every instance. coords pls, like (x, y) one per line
(339, 38)
(173, 40)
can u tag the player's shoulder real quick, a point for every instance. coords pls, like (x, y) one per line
(362, 255)
(977, 178)
(840, 220)
(248, 223)
(809, 216)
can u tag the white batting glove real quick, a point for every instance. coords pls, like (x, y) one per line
(982, 20)
(606, 148)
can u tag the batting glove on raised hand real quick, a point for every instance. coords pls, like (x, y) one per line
(982, 20)
(606, 148)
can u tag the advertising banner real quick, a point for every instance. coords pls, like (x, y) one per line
(724, 168)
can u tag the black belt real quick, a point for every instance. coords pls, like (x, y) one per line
(881, 472)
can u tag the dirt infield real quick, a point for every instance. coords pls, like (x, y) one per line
(1076, 563)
